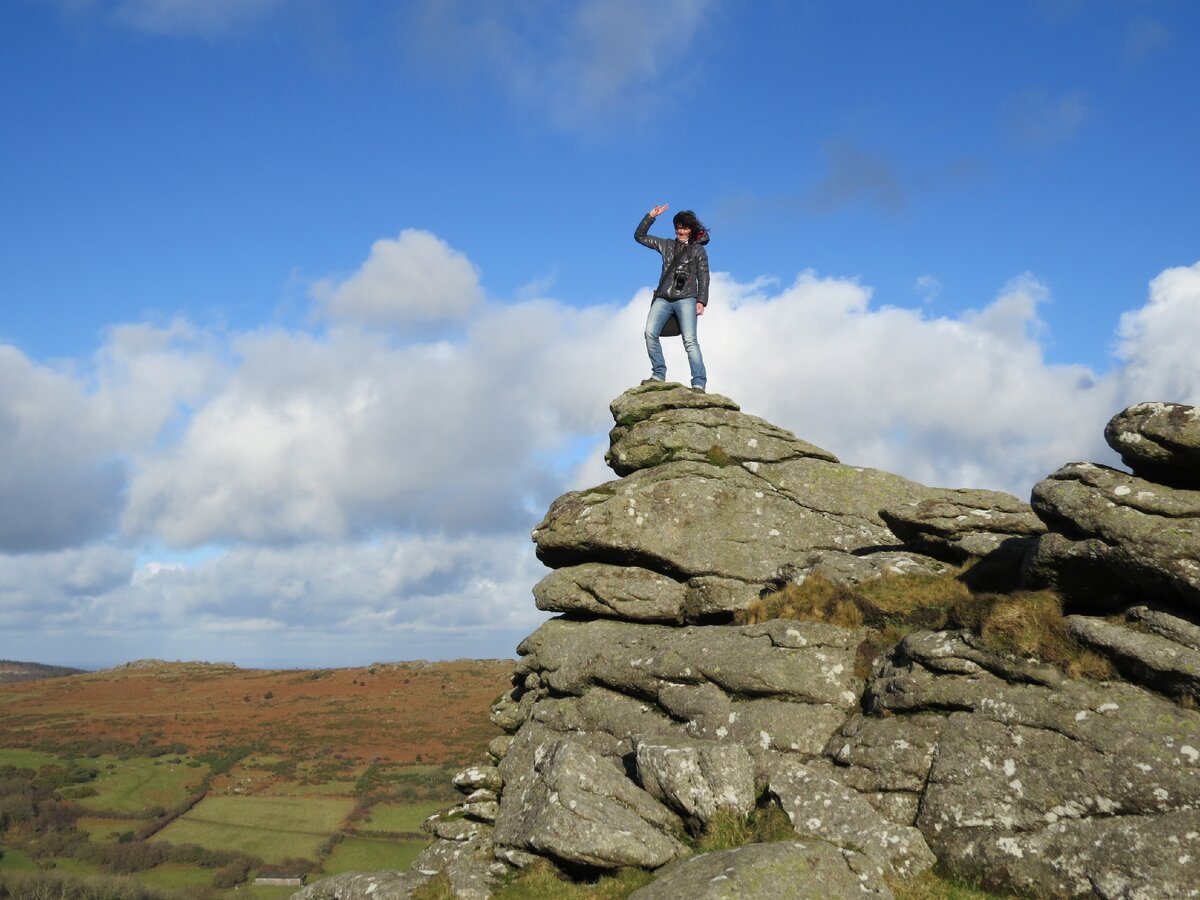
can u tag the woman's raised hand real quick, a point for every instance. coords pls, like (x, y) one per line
(658, 210)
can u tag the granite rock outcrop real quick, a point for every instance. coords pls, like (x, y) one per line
(644, 711)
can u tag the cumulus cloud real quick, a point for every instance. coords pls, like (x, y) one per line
(65, 435)
(576, 62)
(1158, 341)
(55, 488)
(340, 435)
(49, 591)
(412, 280)
(378, 494)
(965, 401)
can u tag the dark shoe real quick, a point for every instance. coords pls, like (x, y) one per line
(652, 381)
(697, 389)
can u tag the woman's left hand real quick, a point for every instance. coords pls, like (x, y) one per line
(699, 308)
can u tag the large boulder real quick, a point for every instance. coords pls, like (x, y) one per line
(1165, 624)
(687, 519)
(565, 801)
(792, 870)
(800, 662)
(963, 524)
(820, 807)
(1159, 441)
(714, 434)
(469, 866)
(697, 779)
(622, 592)
(712, 494)
(1117, 539)
(1032, 774)
(641, 403)
(1150, 659)
(642, 713)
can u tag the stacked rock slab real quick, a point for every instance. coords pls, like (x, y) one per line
(642, 713)
(989, 533)
(714, 506)
(1128, 546)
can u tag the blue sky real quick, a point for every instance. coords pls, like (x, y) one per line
(310, 308)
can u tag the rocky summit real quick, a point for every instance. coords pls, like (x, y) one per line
(644, 713)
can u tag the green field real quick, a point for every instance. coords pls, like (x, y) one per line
(136, 785)
(291, 789)
(272, 828)
(400, 816)
(174, 876)
(288, 819)
(356, 854)
(105, 831)
(28, 759)
(15, 861)
(73, 866)
(250, 892)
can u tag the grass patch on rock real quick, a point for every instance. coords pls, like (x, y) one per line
(1023, 623)
(933, 885)
(729, 829)
(542, 881)
(716, 456)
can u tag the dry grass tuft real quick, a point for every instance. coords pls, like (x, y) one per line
(1031, 624)
(932, 885)
(816, 600)
(1024, 623)
(729, 829)
(436, 888)
(541, 881)
(718, 457)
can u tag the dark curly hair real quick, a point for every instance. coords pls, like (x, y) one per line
(685, 218)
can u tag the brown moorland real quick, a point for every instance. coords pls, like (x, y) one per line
(404, 713)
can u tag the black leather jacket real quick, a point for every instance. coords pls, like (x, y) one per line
(690, 259)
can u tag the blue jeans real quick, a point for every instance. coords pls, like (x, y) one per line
(685, 312)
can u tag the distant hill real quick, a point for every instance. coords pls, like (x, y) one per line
(11, 670)
(396, 712)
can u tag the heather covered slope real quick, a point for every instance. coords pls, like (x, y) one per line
(393, 712)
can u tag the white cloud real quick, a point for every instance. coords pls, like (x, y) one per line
(65, 435)
(61, 481)
(965, 401)
(412, 280)
(316, 604)
(929, 287)
(326, 438)
(1158, 341)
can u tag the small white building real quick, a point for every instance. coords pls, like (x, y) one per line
(280, 879)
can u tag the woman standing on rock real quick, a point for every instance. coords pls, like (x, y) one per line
(682, 291)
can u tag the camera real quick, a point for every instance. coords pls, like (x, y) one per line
(681, 276)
